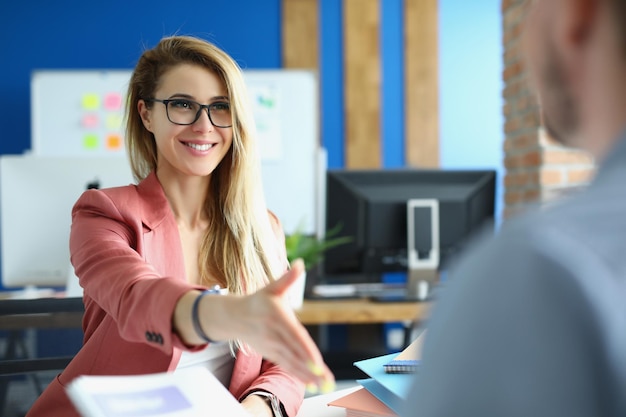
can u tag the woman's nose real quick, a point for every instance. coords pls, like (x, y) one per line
(204, 122)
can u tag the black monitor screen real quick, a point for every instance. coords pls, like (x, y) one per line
(371, 208)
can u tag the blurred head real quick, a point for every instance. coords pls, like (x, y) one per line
(566, 43)
(560, 112)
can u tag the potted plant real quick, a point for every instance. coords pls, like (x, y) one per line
(310, 249)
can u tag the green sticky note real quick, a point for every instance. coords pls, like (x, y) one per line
(90, 141)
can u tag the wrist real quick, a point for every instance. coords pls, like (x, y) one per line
(270, 400)
(195, 317)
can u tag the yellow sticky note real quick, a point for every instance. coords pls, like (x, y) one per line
(113, 121)
(91, 101)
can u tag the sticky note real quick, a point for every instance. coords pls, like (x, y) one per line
(113, 121)
(90, 141)
(90, 121)
(113, 142)
(91, 101)
(113, 101)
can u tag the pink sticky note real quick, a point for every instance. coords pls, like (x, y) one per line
(113, 101)
(90, 121)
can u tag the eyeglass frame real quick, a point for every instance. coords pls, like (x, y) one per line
(201, 107)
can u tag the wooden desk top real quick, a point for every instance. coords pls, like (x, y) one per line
(360, 311)
(44, 313)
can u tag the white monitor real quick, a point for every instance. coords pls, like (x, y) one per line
(36, 198)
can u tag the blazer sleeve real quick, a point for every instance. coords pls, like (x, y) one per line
(288, 390)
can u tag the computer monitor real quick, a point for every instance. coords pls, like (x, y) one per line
(371, 207)
(36, 198)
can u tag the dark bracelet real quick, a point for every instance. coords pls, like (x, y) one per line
(196, 319)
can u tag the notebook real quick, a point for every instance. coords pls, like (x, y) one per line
(407, 361)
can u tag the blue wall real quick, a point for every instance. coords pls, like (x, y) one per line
(111, 34)
(470, 62)
(79, 34)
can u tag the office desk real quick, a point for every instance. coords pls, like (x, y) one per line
(19, 314)
(316, 406)
(360, 311)
(67, 312)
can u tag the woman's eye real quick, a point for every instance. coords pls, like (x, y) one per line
(181, 104)
(222, 106)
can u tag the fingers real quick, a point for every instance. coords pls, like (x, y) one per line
(265, 322)
(310, 370)
(299, 354)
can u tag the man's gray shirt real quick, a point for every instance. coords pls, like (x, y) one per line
(532, 322)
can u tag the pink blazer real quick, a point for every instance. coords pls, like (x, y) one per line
(131, 285)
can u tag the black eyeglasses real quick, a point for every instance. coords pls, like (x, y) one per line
(182, 111)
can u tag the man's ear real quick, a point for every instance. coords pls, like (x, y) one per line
(578, 19)
(145, 114)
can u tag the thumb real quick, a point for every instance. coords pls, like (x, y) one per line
(281, 285)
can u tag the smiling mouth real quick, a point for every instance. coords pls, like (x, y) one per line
(203, 147)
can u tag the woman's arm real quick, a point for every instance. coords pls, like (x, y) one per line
(262, 320)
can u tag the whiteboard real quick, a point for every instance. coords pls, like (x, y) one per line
(81, 113)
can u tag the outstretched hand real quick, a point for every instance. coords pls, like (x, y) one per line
(265, 321)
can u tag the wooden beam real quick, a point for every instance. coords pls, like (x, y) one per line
(300, 34)
(362, 78)
(421, 83)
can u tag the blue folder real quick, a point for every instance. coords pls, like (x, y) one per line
(391, 389)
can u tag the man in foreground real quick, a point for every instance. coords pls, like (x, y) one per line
(533, 321)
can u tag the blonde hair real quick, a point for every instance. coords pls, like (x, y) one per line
(238, 248)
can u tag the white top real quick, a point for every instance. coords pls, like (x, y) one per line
(216, 357)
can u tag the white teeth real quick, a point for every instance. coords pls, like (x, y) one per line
(204, 147)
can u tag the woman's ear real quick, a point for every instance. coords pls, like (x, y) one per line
(145, 114)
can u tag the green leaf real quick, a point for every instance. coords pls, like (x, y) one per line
(311, 249)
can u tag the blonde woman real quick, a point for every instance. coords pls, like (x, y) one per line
(146, 254)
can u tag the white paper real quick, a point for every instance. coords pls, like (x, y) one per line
(188, 392)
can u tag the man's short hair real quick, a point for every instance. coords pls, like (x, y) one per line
(619, 8)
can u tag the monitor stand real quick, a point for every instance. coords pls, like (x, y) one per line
(420, 283)
(422, 271)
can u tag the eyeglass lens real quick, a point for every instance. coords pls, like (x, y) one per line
(186, 112)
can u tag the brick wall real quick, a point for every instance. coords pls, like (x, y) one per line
(537, 168)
